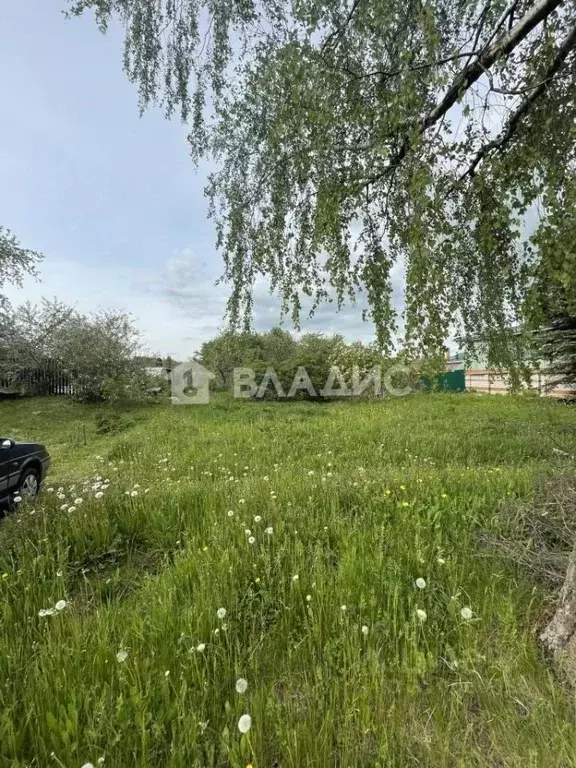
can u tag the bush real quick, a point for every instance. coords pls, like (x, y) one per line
(94, 356)
(110, 423)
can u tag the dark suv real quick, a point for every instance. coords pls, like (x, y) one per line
(23, 466)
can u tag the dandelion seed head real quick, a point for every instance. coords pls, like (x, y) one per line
(421, 614)
(251, 540)
(245, 723)
(420, 583)
(466, 613)
(221, 613)
(60, 605)
(365, 630)
(241, 685)
(201, 647)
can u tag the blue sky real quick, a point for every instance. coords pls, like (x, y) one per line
(111, 199)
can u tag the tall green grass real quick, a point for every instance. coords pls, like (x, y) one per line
(310, 525)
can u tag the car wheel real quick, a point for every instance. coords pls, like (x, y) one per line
(29, 483)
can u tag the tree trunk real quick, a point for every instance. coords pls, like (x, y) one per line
(562, 629)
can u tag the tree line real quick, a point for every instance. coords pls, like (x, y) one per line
(279, 353)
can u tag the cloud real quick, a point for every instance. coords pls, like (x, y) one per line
(179, 306)
(188, 284)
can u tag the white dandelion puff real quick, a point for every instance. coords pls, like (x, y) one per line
(365, 630)
(60, 605)
(245, 723)
(230, 513)
(269, 530)
(201, 647)
(466, 613)
(343, 608)
(295, 577)
(78, 501)
(98, 495)
(308, 598)
(420, 583)
(221, 613)
(257, 518)
(71, 509)
(421, 614)
(241, 685)
(121, 656)
(17, 499)
(251, 540)
(134, 493)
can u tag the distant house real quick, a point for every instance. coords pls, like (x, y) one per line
(156, 366)
(456, 362)
(157, 370)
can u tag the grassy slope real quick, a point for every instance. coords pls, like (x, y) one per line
(363, 499)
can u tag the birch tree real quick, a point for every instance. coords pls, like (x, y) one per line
(354, 135)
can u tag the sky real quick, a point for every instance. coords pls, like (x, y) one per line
(112, 200)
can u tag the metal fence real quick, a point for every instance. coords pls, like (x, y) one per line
(493, 383)
(49, 378)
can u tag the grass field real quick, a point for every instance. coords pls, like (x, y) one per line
(313, 526)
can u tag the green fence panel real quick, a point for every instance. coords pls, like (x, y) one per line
(452, 381)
